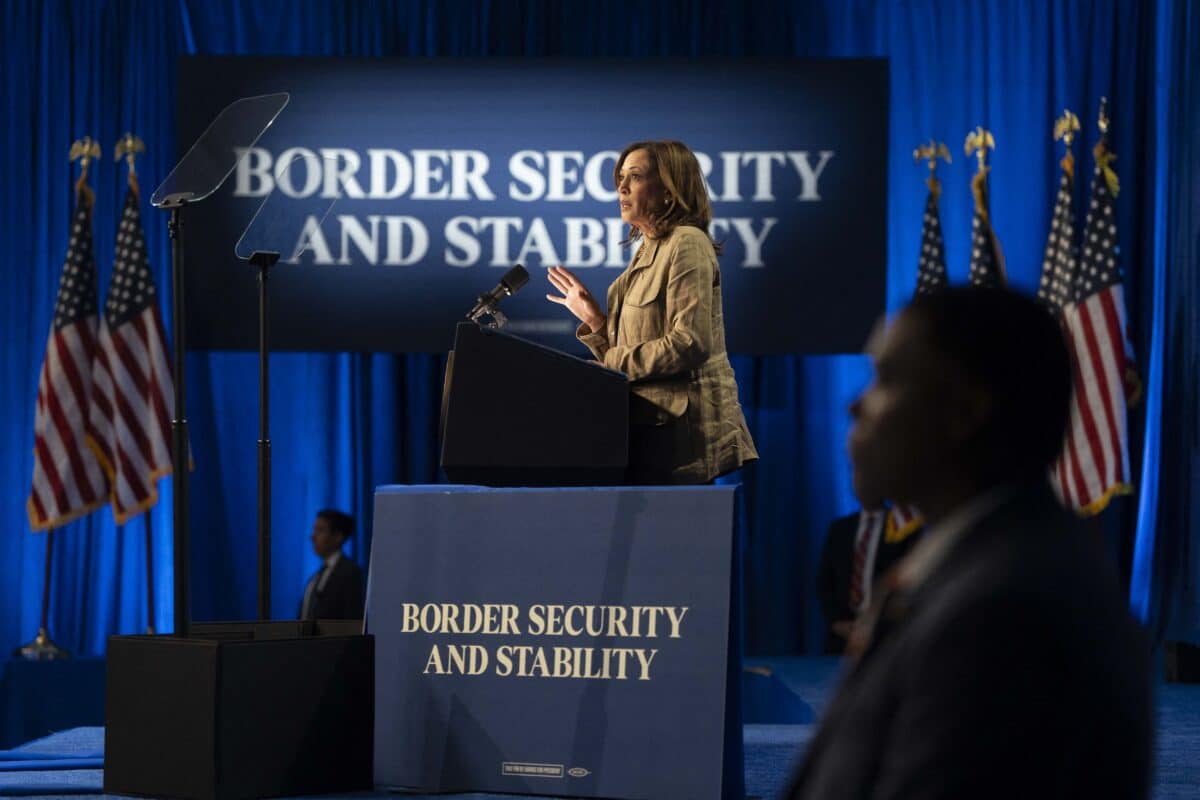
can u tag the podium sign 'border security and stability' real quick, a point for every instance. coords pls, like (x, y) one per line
(551, 641)
(450, 172)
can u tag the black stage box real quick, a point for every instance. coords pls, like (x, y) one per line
(1182, 662)
(241, 710)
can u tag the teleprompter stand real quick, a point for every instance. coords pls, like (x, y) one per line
(233, 709)
(277, 228)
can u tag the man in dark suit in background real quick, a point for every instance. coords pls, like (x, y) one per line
(859, 549)
(999, 659)
(336, 590)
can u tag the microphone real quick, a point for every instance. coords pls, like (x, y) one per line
(509, 285)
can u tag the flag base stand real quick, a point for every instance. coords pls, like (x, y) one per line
(241, 710)
(42, 648)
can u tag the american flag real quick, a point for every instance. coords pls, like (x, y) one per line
(902, 522)
(987, 263)
(1060, 261)
(1094, 465)
(67, 479)
(133, 396)
(931, 266)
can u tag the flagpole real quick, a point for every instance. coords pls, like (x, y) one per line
(149, 574)
(931, 263)
(43, 647)
(987, 262)
(132, 256)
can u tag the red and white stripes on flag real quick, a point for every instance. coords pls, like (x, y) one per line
(1094, 465)
(67, 479)
(133, 396)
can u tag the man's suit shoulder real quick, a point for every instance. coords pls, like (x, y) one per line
(342, 596)
(348, 564)
(1033, 571)
(1035, 544)
(346, 570)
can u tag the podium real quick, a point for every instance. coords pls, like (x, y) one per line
(571, 642)
(515, 413)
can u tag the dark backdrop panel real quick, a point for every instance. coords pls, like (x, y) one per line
(449, 172)
(345, 423)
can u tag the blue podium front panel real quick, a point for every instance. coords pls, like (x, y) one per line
(551, 641)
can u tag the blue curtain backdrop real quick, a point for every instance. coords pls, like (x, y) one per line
(1166, 568)
(345, 423)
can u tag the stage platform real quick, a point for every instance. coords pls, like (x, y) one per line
(70, 763)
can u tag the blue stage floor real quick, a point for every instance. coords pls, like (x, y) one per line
(67, 764)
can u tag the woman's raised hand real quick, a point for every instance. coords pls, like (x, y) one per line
(576, 297)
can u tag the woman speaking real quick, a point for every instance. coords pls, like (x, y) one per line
(664, 328)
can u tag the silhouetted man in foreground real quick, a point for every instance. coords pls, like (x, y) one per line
(998, 659)
(336, 590)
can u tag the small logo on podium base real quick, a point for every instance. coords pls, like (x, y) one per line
(529, 770)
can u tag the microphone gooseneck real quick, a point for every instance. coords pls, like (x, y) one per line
(509, 285)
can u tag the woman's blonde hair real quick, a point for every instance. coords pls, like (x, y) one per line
(685, 195)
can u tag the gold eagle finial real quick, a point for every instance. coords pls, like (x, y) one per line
(979, 142)
(128, 147)
(83, 151)
(1065, 127)
(931, 152)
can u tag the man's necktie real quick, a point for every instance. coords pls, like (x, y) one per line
(862, 546)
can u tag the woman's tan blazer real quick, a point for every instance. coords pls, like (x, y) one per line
(666, 332)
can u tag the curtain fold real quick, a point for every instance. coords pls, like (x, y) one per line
(1165, 588)
(343, 423)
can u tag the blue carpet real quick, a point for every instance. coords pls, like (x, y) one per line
(767, 700)
(55, 765)
(771, 749)
(1177, 769)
